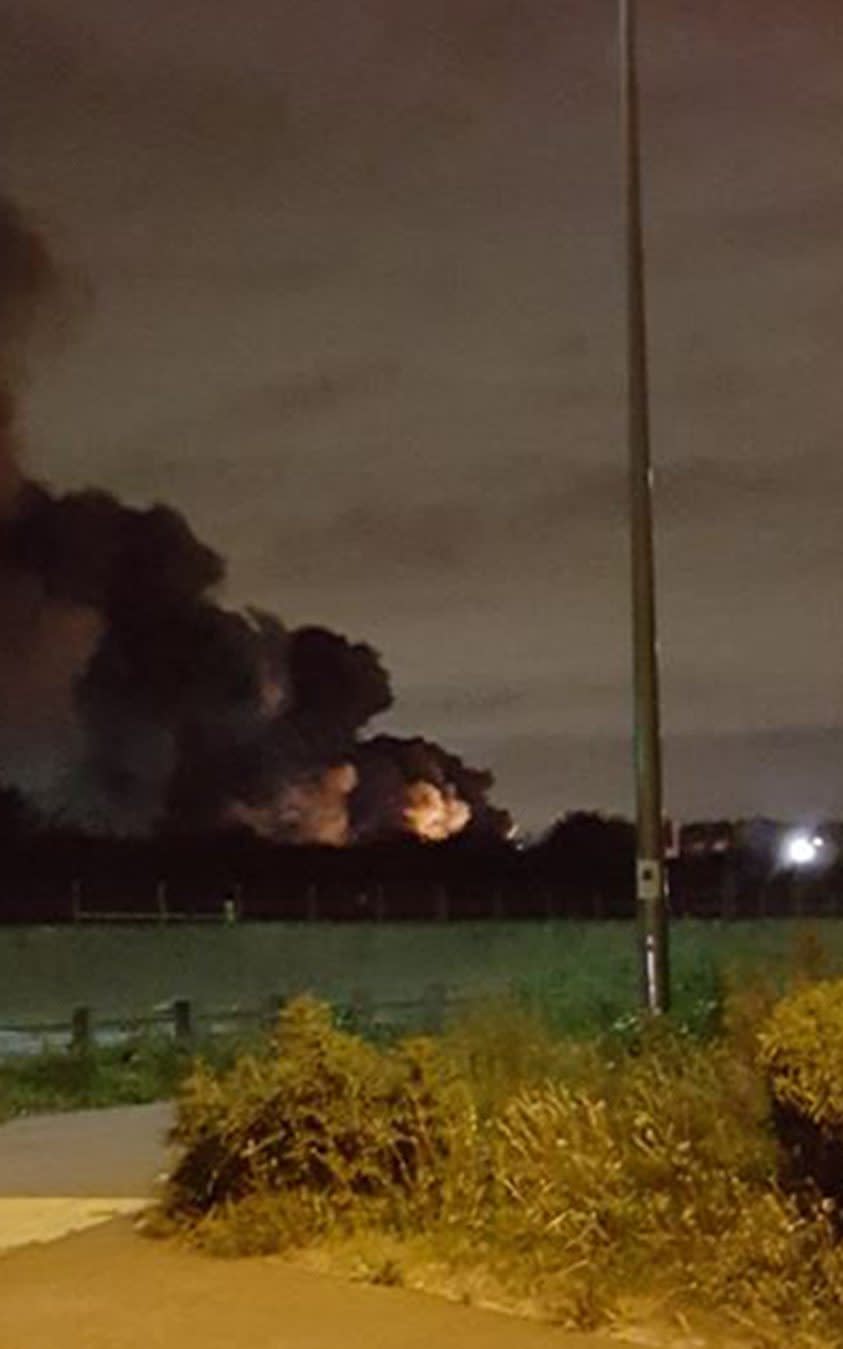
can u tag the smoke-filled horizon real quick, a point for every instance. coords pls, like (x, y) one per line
(359, 318)
(132, 700)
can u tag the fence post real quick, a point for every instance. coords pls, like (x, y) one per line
(312, 904)
(76, 898)
(232, 905)
(80, 1030)
(161, 900)
(380, 906)
(435, 1004)
(441, 904)
(182, 1020)
(361, 1008)
(728, 893)
(274, 1007)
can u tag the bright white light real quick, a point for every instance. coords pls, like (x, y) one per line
(801, 850)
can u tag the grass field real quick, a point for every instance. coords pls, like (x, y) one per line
(592, 981)
(581, 977)
(589, 969)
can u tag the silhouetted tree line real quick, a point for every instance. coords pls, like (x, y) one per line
(583, 867)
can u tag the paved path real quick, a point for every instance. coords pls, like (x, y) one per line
(108, 1288)
(62, 1173)
(87, 1152)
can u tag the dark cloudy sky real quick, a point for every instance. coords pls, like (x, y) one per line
(356, 309)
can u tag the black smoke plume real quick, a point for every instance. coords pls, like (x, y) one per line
(414, 786)
(131, 699)
(34, 295)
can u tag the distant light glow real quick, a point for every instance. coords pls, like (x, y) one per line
(801, 850)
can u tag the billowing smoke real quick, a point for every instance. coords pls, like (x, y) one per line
(33, 298)
(311, 809)
(414, 786)
(180, 711)
(132, 700)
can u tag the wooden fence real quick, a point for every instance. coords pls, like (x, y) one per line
(185, 1023)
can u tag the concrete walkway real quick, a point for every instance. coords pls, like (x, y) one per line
(63, 1173)
(110, 1289)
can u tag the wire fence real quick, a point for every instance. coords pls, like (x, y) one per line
(783, 897)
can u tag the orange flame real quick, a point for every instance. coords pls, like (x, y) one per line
(314, 810)
(434, 813)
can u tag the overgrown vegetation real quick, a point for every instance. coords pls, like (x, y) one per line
(566, 1175)
(802, 1055)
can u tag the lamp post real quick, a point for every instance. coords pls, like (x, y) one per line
(651, 886)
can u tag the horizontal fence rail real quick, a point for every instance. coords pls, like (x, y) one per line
(186, 1023)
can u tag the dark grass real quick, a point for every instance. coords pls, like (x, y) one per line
(142, 1070)
(592, 985)
(584, 984)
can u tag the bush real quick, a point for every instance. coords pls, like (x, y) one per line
(802, 1055)
(323, 1117)
(503, 1046)
(639, 1174)
(802, 1050)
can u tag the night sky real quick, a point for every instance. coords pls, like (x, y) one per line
(355, 306)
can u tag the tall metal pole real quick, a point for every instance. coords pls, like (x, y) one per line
(651, 886)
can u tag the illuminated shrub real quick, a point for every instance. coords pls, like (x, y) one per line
(321, 1113)
(802, 1055)
(649, 1167)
